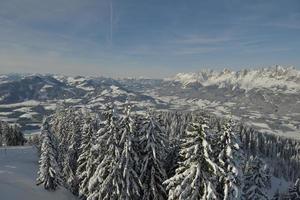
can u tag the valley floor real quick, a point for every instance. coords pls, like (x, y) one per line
(18, 171)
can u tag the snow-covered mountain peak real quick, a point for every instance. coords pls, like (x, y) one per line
(275, 78)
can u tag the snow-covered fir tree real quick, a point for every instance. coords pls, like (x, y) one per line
(49, 172)
(61, 129)
(66, 128)
(131, 186)
(153, 153)
(134, 147)
(256, 179)
(194, 179)
(106, 181)
(85, 162)
(10, 135)
(72, 154)
(230, 159)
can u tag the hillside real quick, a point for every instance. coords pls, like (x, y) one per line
(18, 168)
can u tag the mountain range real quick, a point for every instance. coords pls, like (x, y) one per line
(267, 98)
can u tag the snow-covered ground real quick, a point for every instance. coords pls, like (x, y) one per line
(18, 171)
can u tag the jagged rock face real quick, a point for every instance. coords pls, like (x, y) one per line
(275, 78)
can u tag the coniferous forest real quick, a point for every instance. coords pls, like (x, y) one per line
(113, 154)
(10, 135)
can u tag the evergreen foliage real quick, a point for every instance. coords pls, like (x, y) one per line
(10, 135)
(49, 172)
(110, 154)
(195, 177)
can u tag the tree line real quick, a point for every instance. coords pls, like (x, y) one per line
(161, 155)
(10, 135)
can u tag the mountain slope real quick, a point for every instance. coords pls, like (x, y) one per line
(18, 168)
(267, 99)
(275, 78)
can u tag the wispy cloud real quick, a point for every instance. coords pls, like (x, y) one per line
(203, 40)
(285, 24)
(196, 50)
(95, 36)
(186, 44)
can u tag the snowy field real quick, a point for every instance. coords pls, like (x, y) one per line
(18, 171)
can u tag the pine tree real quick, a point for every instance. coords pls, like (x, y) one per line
(153, 145)
(256, 180)
(49, 173)
(194, 179)
(231, 159)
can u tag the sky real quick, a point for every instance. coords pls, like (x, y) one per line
(146, 38)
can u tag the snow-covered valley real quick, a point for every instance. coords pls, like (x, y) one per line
(267, 99)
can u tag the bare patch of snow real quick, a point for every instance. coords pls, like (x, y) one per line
(28, 115)
(24, 103)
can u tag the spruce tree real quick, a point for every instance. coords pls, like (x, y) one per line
(71, 157)
(129, 159)
(106, 181)
(256, 180)
(153, 145)
(231, 159)
(11, 135)
(84, 161)
(194, 179)
(49, 173)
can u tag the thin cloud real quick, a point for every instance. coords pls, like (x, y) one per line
(75, 36)
(196, 50)
(205, 40)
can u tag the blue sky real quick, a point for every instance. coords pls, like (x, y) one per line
(150, 38)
